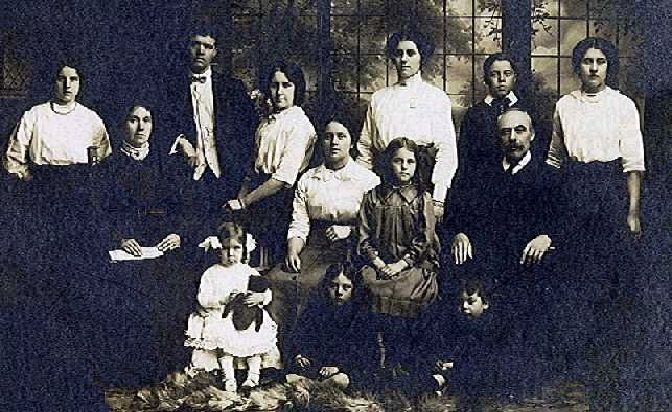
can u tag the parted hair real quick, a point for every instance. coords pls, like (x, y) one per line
(425, 47)
(610, 52)
(294, 74)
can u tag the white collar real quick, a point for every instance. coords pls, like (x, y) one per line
(518, 166)
(207, 74)
(322, 172)
(135, 153)
(412, 81)
(591, 98)
(511, 96)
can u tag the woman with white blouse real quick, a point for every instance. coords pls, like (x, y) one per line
(284, 147)
(325, 209)
(414, 109)
(598, 144)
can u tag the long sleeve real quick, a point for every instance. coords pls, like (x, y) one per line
(298, 147)
(446, 155)
(631, 141)
(425, 239)
(365, 142)
(300, 224)
(557, 153)
(366, 246)
(16, 157)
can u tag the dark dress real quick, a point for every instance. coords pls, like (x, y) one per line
(148, 301)
(398, 223)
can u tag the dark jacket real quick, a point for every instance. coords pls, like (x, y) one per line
(235, 123)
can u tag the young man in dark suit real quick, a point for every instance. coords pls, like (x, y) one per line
(212, 121)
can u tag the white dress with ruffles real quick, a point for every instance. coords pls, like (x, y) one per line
(209, 330)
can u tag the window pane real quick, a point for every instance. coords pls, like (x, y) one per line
(573, 8)
(458, 74)
(488, 35)
(545, 37)
(568, 80)
(458, 7)
(603, 28)
(342, 30)
(458, 32)
(374, 35)
(545, 72)
(546, 7)
(487, 9)
(571, 32)
(374, 72)
(343, 7)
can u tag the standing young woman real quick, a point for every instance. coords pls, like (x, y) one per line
(598, 143)
(284, 146)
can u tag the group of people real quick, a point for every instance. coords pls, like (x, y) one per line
(336, 272)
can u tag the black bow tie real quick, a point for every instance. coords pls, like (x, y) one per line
(200, 79)
(501, 105)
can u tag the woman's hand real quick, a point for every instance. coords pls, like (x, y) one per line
(294, 248)
(328, 371)
(634, 225)
(439, 209)
(302, 361)
(131, 246)
(337, 232)
(393, 269)
(461, 249)
(254, 299)
(170, 242)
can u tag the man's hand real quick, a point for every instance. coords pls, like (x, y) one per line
(294, 248)
(254, 299)
(131, 246)
(337, 232)
(461, 249)
(302, 361)
(535, 250)
(170, 242)
(634, 225)
(328, 371)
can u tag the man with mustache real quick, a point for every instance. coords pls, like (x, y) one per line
(478, 134)
(503, 214)
(211, 121)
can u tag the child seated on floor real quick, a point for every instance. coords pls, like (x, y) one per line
(327, 344)
(486, 356)
(232, 323)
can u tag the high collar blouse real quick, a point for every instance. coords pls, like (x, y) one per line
(419, 111)
(329, 195)
(601, 127)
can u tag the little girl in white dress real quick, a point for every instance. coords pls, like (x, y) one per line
(211, 332)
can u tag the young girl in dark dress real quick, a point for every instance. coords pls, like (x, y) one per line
(399, 249)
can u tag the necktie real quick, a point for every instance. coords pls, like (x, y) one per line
(199, 79)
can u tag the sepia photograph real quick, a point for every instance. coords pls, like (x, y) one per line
(335, 205)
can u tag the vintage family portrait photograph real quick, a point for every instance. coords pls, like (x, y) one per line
(335, 205)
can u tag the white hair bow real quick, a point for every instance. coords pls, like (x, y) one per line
(212, 242)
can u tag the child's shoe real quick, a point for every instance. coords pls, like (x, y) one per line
(252, 381)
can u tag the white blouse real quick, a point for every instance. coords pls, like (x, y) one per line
(420, 112)
(285, 144)
(332, 195)
(45, 137)
(601, 127)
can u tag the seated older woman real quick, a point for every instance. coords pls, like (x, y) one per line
(325, 208)
(142, 210)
